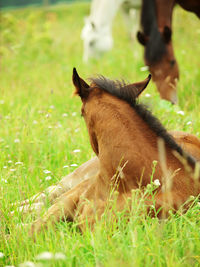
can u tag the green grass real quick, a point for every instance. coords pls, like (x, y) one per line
(41, 126)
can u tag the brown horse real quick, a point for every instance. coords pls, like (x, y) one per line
(124, 135)
(35, 205)
(156, 36)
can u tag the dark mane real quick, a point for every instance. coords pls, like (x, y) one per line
(155, 47)
(120, 90)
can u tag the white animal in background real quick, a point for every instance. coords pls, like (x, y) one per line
(97, 31)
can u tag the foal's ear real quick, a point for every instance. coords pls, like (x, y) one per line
(139, 86)
(82, 88)
(141, 38)
(167, 34)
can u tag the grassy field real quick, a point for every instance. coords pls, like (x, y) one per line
(41, 129)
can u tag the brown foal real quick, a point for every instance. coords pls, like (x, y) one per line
(126, 138)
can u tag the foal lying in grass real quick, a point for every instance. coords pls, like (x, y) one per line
(126, 139)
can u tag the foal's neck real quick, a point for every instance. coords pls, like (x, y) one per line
(126, 141)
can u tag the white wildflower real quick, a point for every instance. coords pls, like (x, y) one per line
(5, 167)
(77, 130)
(47, 115)
(12, 170)
(27, 264)
(60, 256)
(18, 163)
(181, 112)
(147, 95)
(48, 178)
(44, 256)
(76, 150)
(16, 140)
(64, 114)
(1, 255)
(144, 68)
(74, 114)
(46, 171)
(50, 127)
(59, 125)
(52, 107)
(73, 165)
(9, 161)
(189, 122)
(156, 182)
(4, 180)
(66, 166)
(35, 122)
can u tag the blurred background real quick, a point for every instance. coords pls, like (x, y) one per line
(25, 3)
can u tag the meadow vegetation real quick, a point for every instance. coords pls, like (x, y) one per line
(43, 137)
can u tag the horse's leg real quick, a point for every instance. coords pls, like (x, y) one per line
(64, 208)
(37, 202)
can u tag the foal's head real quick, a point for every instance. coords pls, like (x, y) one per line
(104, 94)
